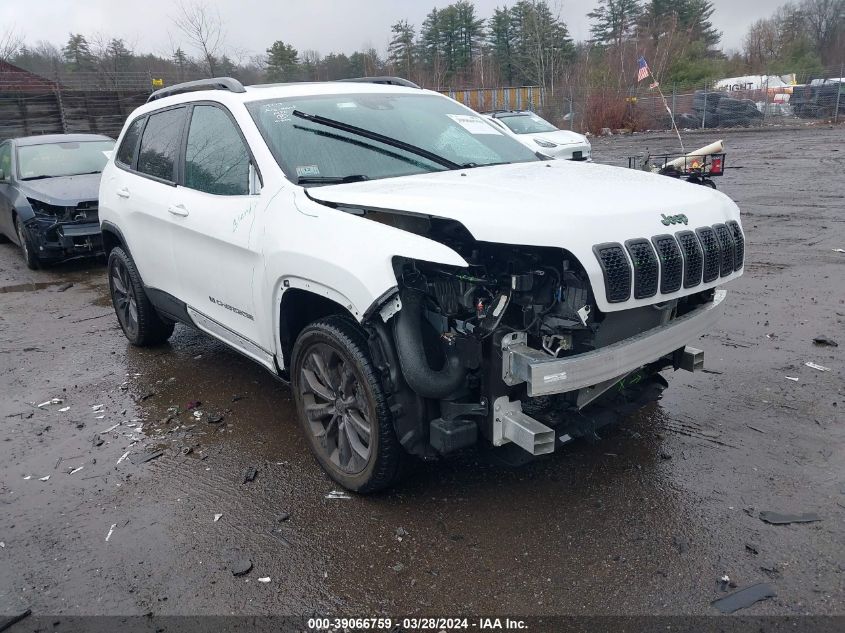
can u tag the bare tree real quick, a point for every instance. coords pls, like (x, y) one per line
(203, 28)
(10, 41)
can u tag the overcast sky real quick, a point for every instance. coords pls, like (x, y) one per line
(324, 25)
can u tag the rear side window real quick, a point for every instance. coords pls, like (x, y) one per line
(216, 160)
(126, 152)
(160, 144)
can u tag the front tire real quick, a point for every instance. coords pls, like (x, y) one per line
(29, 256)
(342, 406)
(138, 319)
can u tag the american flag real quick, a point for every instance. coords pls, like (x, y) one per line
(643, 71)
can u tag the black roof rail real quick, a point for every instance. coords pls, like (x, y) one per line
(390, 81)
(216, 83)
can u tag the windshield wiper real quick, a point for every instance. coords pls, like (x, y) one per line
(330, 180)
(375, 136)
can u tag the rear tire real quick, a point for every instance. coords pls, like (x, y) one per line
(29, 256)
(138, 319)
(342, 406)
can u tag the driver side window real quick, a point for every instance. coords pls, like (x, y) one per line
(216, 160)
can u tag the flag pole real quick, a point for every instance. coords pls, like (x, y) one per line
(671, 116)
(644, 72)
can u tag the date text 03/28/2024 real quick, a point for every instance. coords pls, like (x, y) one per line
(419, 624)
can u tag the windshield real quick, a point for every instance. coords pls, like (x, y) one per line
(312, 152)
(526, 124)
(62, 159)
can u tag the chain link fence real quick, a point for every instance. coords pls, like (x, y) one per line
(100, 102)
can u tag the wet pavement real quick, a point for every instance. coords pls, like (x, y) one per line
(645, 521)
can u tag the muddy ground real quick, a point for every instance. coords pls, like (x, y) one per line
(645, 521)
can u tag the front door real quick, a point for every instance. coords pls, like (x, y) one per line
(214, 245)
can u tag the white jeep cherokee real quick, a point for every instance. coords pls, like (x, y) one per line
(422, 279)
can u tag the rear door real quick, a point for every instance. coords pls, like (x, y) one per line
(144, 193)
(214, 245)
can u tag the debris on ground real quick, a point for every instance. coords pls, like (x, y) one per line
(63, 409)
(8, 623)
(744, 598)
(241, 567)
(265, 579)
(337, 494)
(111, 428)
(754, 428)
(65, 286)
(143, 458)
(47, 477)
(214, 418)
(237, 397)
(813, 365)
(823, 340)
(665, 455)
(752, 548)
(193, 404)
(53, 401)
(725, 583)
(96, 408)
(76, 470)
(122, 457)
(681, 543)
(250, 474)
(792, 378)
(398, 567)
(97, 440)
(776, 518)
(284, 516)
(197, 415)
(111, 530)
(217, 517)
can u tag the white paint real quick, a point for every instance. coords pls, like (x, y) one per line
(111, 529)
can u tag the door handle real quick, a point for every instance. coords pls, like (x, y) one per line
(123, 193)
(177, 209)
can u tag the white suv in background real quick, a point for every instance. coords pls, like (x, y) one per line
(536, 133)
(423, 280)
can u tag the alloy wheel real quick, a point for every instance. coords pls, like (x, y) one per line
(336, 407)
(123, 296)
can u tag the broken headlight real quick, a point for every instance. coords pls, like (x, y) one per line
(44, 210)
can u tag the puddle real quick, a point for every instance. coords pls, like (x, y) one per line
(30, 287)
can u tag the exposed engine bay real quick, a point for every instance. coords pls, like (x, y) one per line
(449, 331)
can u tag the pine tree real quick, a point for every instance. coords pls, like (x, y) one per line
(614, 21)
(401, 49)
(502, 40)
(282, 62)
(77, 53)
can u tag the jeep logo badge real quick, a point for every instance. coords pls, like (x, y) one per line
(674, 219)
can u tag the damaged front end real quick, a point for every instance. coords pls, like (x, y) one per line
(61, 232)
(513, 347)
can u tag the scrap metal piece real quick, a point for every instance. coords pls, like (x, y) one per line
(744, 598)
(776, 518)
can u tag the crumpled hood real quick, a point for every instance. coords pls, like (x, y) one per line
(64, 191)
(564, 204)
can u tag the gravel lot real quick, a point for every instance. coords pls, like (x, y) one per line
(645, 521)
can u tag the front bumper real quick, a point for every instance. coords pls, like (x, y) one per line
(546, 375)
(61, 240)
(577, 152)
